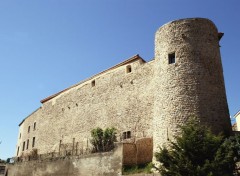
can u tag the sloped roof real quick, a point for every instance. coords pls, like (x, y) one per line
(236, 114)
(29, 116)
(131, 59)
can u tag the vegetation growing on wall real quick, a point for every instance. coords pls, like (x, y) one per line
(143, 168)
(103, 140)
(198, 152)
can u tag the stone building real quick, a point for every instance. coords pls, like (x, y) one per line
(236, 125)
(140, 99)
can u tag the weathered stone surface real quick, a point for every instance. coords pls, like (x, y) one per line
(100, 164)
(194, 85)
(150, 99)
(118, 99)
(139, 152)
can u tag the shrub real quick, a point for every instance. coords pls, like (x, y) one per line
(103, 140)
(198, 152)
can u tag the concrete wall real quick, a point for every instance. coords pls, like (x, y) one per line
(100, 164)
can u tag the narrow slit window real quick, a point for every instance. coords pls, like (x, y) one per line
(27, 144)
(33, 142)
(34, 126)
(171, 58)
(17, 150)
(129, 69)
(93, 83)
(23, 146)
(28, 129)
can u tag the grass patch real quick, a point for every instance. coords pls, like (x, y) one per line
(143, 168)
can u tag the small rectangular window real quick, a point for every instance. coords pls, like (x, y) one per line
(17, 150)
(33, 142)
(127, 135)
(171, 58)
(34, 126)
(27, 144)
(129, 69)
(93, 83)
(20, 136)
(23, 146)
(28, 129)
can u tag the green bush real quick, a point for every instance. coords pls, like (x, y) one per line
(103, 140)
(198, 152)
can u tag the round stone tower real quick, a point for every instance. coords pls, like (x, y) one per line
(189, 79)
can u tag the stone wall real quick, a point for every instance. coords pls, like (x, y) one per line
(139, 152)
(148, 99)
(237, 124)
(100, 164)
(192, 86)
(27, 131)
(2, 169)
(118, 99)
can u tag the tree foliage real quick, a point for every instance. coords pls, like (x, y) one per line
(103, 140)
(198, 152)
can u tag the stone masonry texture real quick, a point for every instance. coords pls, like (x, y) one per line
(99, 164)
(194, 85)
(149, 99)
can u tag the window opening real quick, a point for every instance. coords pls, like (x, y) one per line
(23, 146)
(93, 83)
(126, 134)
(33, 142)
(20, 136)
(17, 150)
(171, 58)
(27, 143)
(129, 69)
(28, 129)
(34, 126)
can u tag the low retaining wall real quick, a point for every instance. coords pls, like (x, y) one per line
(2, 169)
(98, 164)
(139, 152)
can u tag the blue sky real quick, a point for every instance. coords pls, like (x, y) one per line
(48, 45)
